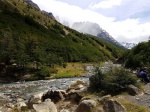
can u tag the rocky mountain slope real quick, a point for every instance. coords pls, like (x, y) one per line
(87, 27)
(32, 4)
(128, 45)
(94, 29)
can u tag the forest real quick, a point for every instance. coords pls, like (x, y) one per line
(31, 42)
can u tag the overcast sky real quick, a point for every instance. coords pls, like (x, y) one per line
(125, 20)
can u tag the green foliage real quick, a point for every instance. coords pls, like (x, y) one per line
(112, 81)
(43, 72)
(139, 56)
(28, 36)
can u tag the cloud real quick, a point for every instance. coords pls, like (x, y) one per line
(130, 30)
(106, 4)
(74, 13)
(127, 30)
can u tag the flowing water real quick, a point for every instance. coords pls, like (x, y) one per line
(23, 90)
(13, 91)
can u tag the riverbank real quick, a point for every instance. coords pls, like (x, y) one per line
(72, 70)
(11, 92)
(66, 96)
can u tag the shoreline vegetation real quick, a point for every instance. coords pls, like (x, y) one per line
(98, 88)
(70, 71)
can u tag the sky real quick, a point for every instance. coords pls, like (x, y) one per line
(124, 20)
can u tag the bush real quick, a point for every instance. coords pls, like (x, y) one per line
(113, 81)
(43, 72)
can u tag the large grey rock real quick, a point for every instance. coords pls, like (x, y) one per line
(79, 84)
(46, 106)
(76, 91)
(86, 106)
(113, 106)
(132, 90)
(36, 99)
(55, 96)
(104, 98)
(74, 97)
(19, 105)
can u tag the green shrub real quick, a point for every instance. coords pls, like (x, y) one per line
(43, 72)
(113, 81)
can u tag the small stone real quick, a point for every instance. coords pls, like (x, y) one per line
(137, 98)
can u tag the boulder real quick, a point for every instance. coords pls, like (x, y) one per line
(132, 90)
(19, 100)
(19, 105)
(104, 98)
(86, 106)
(55, 96)
(74, 97)
(77, 85)
(36, 99)
(76, 91)
(46, 106)
(113, 106)
(10, 105)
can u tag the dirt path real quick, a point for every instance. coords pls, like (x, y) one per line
(143, 100)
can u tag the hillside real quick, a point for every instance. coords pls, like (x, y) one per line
(139, 56)
(29, 39)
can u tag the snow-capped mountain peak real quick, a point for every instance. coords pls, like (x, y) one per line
(128, 45)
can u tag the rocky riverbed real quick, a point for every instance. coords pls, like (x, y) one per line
(23, 90)
(73, 99)
(64, 95)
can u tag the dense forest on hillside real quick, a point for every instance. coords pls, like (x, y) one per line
(139, 56)
(30, 39)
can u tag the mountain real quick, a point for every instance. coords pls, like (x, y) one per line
(94, 29)
(87, 27)
(32, 4)
(128, 45)
(49, 14)
(31, 41)
(66, 23)
(105, 35)
(37, 7)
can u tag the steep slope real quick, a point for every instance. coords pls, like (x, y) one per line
(32, 4)
(94, 29)
(139, 56)
(30, 38)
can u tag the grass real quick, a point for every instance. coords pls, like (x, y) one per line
(131, 107)
(72, 70)
(32, 11)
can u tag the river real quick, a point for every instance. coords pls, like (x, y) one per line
(23, 90)
(11, 92)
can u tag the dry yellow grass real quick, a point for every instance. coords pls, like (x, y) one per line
(131, 107)
(72, 70)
